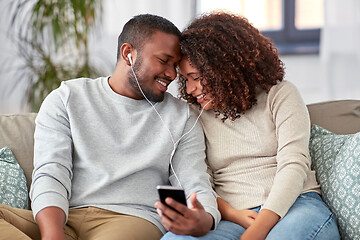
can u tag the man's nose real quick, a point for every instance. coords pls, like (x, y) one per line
(171, 73)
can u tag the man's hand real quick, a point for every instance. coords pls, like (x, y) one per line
(192, 221)
(51, 222)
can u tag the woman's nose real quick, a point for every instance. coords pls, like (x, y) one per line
(190, 87)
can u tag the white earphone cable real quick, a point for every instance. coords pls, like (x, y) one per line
(171, 136)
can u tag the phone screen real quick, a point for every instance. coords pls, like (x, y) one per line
(175, 193)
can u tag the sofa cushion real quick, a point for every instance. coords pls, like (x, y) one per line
(340, 117)
(13, 189)
(17, 132)
(336, 160)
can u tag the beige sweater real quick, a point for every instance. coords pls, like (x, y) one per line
(262, 158)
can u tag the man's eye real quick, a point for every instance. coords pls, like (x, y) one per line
(162, 61)
(197, 78)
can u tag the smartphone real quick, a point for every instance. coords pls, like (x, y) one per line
(175, 193)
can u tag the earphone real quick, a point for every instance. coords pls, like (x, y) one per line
(130, 60)
(171, 136)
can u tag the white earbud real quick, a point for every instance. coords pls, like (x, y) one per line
(130, 60)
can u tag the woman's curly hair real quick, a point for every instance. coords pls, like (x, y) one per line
(234, 60)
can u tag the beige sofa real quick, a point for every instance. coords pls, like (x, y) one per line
(16, 131)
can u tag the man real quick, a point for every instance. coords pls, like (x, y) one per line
(103, 145)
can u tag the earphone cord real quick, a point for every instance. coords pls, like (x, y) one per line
(171, 136)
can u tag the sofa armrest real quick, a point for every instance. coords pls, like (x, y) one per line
(17, 132)
(340, 117)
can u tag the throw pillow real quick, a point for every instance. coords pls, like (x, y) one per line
(13, 190)
(336, 160)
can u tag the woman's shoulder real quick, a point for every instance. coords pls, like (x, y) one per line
(283, 89)
(283, 86)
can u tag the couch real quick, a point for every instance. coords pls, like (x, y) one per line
(16, 130)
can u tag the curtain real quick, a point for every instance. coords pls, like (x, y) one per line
(340, 48)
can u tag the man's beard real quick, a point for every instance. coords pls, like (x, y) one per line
(147, 91)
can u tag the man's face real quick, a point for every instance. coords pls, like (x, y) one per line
(155, 66)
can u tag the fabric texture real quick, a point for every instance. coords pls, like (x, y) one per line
(17, 133)
(94, 147)
(84, 223)
(313, 221)
(336, 160)
(13, 190)
(340, 117)
(262, 158)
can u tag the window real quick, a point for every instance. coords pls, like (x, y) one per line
(293, 25)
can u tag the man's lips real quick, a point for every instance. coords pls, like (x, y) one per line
(163, 83)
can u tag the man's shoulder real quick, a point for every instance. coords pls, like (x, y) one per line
(174, 106)
(80, 81)
(169, 98)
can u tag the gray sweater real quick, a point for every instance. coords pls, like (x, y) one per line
(94, 147)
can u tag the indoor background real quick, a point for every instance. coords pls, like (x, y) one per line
(318, 41)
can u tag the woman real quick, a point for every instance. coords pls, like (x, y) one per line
(257, 133)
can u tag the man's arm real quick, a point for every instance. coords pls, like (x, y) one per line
(191, 170)
(194, 221)
(51, 222)
(51, 181)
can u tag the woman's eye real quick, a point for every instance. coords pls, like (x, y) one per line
(197, 78)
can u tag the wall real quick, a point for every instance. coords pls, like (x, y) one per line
(305, 71)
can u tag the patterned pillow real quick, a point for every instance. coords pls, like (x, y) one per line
(13, 190)
(336, 160)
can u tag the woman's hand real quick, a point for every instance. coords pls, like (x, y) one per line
(261, 227)
(242, 217)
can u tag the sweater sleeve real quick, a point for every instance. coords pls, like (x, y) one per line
(191, 169)
(292, 125)
(51, 178)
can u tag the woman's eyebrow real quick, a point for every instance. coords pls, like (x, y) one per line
(192, 73)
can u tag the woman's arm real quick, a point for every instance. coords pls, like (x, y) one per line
(242, 217)
(259, 229)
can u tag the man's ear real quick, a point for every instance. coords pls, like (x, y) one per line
(125, 50)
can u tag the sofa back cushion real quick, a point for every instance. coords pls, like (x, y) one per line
(340, 117)
(17, 130)
(17, 133)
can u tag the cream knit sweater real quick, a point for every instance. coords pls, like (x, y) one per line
(262, 158)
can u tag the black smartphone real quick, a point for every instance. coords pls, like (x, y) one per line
(175, 193)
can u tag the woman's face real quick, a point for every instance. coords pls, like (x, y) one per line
(193, 85)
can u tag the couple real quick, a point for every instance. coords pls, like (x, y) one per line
(103, 145)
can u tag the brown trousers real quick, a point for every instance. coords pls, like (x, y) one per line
(83, 224)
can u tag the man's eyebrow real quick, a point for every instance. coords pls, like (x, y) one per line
(167, 55)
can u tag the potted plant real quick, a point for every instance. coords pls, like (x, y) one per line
(53, 42)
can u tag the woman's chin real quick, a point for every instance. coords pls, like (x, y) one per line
(206, 106)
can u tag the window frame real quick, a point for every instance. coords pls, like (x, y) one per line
(289, 39)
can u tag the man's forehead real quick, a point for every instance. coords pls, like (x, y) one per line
(164, 43)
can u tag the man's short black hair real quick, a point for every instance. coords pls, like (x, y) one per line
(141, 27)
